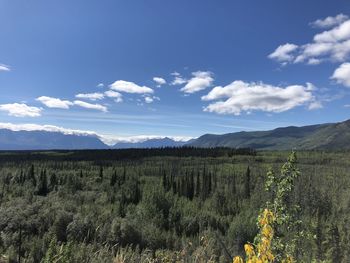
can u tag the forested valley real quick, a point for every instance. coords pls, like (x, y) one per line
(166, 205)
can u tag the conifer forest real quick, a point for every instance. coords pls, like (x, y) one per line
(174, 205)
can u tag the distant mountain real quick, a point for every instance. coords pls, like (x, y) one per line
(44, 140)
(150, 143)
(47, 140)
(331, 136)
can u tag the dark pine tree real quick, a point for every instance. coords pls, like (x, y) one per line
(247, 183)
(42, 188)
(31, 175)
(53, 181)
(165, 182)
(114, 178)
(191, 186)
(198, 185)
(101, 172)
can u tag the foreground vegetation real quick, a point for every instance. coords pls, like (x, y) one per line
(171, 205)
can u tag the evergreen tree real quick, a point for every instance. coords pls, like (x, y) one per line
(31, 175)
(165, 182)
(22, 177)
(247, 184)
(114, 178)
(101, 172)
(53, 181)
(191, 186)
(209, 184)
(42, 188)
(198, 185)
(334, 252)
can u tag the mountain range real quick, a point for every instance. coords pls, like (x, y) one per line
(151, 143)
(330, 136)
(47, 140)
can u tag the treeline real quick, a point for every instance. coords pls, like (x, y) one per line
(164, 206)
(122, 154)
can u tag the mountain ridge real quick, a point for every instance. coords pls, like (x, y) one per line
(150, 143)
(327, 136)
(310, 137)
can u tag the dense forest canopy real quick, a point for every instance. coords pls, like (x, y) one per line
(182, 204)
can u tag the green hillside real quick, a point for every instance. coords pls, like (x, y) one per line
(324, 136)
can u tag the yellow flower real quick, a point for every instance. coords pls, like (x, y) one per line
(267, 231)
(270, 256)
(262, 221)
(268, 216)
(266, 242)
(249, 250)
(237, 260)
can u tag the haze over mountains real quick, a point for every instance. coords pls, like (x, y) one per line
(323, 136)
(46, 140)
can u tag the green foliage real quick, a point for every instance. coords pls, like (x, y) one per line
(171, 205)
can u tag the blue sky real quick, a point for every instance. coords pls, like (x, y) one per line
(239, 65)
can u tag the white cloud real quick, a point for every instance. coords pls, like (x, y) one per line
(48, 128)
(314, 61)
(111, 139)
(129, 87)
(115, 95)
(149, 99)
(330, 45)
(90, 96)
(329, 21)
(20, 110)
(240, 96)
(4, 67)
(160, 81)
(315, 105)
(108, 139)
(200, 81)
(178, 79)
(54, 102)
(100, 85)
(339, 33)
(342, 74)
(284, 52)
(90, 106)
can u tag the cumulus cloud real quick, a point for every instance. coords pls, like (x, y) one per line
(315, 105)
(284, 52)
(149, 99)
(90, 105)
(329, 21)
(200, 81)
(129, 87)
(115, 95)
(240, 96)
(100, 85)
(90, 96)
(54, 102)
(4, 67)
(20, 110)
(329, 45)
(342, 74)
(160, 81)
(178, 79)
